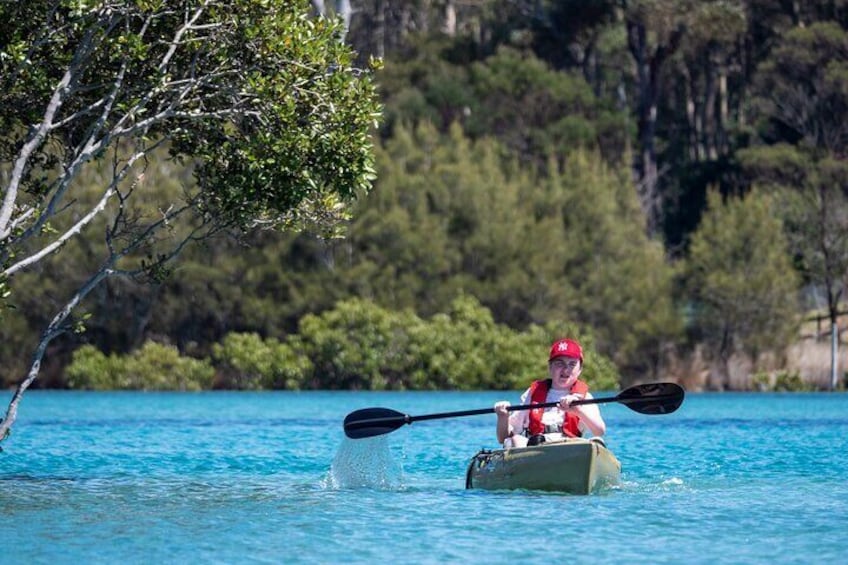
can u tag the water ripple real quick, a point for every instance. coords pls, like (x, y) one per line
(270, 478)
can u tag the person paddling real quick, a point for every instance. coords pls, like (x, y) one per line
(563, 385)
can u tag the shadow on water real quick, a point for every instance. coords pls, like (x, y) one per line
(365, 463)
(24, 478)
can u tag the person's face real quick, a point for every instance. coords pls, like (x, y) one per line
(564, 371)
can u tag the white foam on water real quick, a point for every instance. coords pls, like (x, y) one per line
(365, 463)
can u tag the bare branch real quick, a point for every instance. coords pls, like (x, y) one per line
(79, 225)
(54, 329)
(117, 87)
(36, 138)
(39, 133)
(166, 59)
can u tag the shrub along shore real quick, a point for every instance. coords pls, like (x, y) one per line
(356, 345)
(360, 346)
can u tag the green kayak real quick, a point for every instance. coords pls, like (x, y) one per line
(574, 465)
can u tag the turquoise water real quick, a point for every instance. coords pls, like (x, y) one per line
(270, 478)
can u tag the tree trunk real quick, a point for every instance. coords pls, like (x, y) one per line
(590, 66)
(646, 109)
(344, 10)
(724, 113)
(691, 112)
(834, 354)
(56, 327)
(380, 29)
(449, 26)
(710, 93)
(648, 69)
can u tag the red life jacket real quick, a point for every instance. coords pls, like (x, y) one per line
(539, 395)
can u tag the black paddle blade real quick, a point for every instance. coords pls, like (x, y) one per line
(653, 398)
(370, 422)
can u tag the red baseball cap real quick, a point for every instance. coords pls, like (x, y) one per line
(566, 348)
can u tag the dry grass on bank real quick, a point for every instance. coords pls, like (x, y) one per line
(809, 359)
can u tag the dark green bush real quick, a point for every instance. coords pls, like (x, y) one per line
(356, 345)
(153, 367)
(360, 345)
(246, 361)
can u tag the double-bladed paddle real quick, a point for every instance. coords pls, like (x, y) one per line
(653, 398)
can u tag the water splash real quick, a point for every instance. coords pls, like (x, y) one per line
(365, 463)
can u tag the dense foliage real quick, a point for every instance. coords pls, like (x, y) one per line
(356, 345)
(152, 367)
(742, 284)
(259, 101)
(570, 165)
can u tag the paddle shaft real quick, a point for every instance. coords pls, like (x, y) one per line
(654, 398)
(396, 419)
(479, 411)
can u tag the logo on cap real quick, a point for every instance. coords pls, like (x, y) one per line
(566, 348)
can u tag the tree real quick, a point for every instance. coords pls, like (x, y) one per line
(450, 215)
(802, 102)
(512, 94)
(598, 265)
(261, 99)
(741, 280)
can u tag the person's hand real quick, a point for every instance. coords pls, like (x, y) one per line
(565, 401)
(501, 408)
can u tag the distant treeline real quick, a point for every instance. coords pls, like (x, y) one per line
(625, 171)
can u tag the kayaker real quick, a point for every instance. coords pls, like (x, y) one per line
(563, 385)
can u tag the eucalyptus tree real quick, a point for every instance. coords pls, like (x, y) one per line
(650, 32)
(802, 102)
(599, 266)
(740, 278)
(452, 215)
(263, 101)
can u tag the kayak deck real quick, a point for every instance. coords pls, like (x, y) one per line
(574, 465)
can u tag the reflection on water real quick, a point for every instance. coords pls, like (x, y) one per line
(365, 463)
